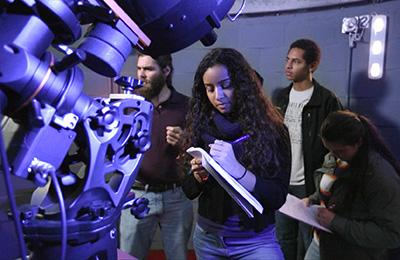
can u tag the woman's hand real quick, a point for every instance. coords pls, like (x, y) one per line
(306, 201)
(222, 152)
(325, 216)
(199, 173)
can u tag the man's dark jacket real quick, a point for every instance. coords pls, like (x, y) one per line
(322, 102)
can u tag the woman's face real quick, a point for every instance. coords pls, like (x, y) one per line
(218, 88)
(342, 151)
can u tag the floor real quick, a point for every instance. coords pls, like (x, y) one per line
(159, 255)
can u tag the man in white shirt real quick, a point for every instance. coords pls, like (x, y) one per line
(304, 104)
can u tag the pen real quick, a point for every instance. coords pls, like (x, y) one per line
(240, 139)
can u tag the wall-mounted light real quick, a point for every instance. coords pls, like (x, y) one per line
(355, 27)
(377, 46)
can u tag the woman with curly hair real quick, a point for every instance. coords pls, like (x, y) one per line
(228, 103)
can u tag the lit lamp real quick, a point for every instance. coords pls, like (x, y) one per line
(377, 46)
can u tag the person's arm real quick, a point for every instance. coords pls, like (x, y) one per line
(193, 183)
(271, 191)
(222, 152)
(381, 229)
(328, 167)
(334, 104)
(191, 187)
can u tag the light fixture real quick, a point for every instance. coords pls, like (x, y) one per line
(350, 25)
(355, 27)
(377, 46)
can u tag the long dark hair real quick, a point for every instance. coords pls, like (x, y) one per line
(348, 128)
(251, 109)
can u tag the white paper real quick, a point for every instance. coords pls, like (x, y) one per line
(242, 196)
(295, 208)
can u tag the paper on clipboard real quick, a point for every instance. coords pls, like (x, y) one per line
(242, 196)
(295, 208)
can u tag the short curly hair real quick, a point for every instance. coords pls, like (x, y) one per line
(312, 52)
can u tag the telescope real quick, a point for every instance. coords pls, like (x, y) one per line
(81, 152)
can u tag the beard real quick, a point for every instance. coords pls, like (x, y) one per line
(151, 88)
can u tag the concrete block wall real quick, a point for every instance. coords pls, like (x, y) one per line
(264, 40)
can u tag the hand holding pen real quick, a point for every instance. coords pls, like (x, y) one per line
(223, 153)
(240, 139)
(200, 174)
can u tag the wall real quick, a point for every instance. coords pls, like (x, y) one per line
(263, 6)
(264, 40)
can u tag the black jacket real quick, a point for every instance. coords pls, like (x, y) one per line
(216, 204)
(367, 217)
(322, 102)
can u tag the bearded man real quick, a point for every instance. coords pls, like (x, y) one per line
(159, 177)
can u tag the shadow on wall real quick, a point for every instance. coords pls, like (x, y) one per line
(368, 98)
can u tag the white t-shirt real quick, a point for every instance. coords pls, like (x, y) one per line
(293, 118)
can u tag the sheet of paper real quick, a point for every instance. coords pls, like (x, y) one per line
(242, 196)
(295, 208)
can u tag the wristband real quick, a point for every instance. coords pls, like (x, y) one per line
(241, 177)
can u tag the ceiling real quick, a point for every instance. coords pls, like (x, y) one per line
(265, 6)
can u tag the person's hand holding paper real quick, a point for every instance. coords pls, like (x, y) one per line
(297, 209)
(325, 216)
(200, 174)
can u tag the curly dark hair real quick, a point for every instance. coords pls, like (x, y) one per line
(251, 109)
